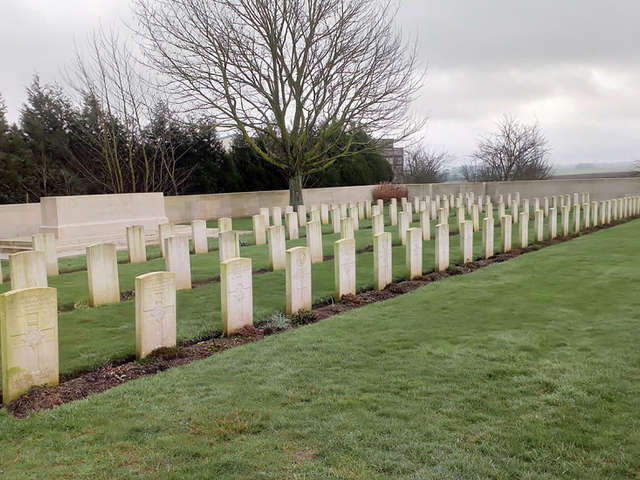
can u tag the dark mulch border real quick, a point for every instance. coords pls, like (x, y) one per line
(82, 384)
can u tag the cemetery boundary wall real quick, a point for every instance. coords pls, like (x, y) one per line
(23, 220)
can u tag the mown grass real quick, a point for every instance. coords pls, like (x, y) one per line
(528, 369)
(93, 336)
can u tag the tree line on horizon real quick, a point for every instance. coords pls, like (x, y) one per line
(60, 147)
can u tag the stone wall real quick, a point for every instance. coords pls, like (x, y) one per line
(19, 220)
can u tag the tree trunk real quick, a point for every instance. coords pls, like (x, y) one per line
(295, 191)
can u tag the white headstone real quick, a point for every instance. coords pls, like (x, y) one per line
(164, 230)
(336, 219)
(487, 237)
(264, 211)
(102, 269)
(413, 253)
(506, 233)
(442, 247)
(403, 225)
(344, 252)
(229, 245)
(277, 247)
(236, 290)
(382, 258)
(393, 212)
(538, 225)
(553, 223)
(314, 241)
(377, 224)
(524, 230)
(324, 213)
(276, 216)
(292, 225)
(576, 216)
(298, 280)
(565, 220)
(199, 235)
(346, 228)
(28, 270)
(28, 340)
(425, 224)
(155, 312)
(46, 242)
(302, 215)
(178, 261)
(466, 241)
(136, 244)
(259, 231)
(225, 224)
(353, 214)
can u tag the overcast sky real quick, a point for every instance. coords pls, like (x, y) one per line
(573, 66)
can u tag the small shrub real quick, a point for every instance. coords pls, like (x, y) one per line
(303, 317)
(386, 191)
(276, 322)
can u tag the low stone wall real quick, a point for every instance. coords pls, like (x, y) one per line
(599, 188)
(19, 220)
(242, 204)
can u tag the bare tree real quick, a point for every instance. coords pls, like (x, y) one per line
(301, 75)
(516, 151)
(129, 154)
(426, 166)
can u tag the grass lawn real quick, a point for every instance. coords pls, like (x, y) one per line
(94, 336)
(528, 369)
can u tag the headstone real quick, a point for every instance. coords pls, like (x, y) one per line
(442, 216)
(506, 233)
(609, 210)
(565, 220)
(377, 225)
(594, 214)
(525, 206)
(425, 224)
(264, 211)
(487, 237)
(136, 244)
(199, 235)
(302, 215)
(314, 241)
(46, 242)
(514, 211)
(524, 230)
(288, 209)
(277, 247)
(380, 204)
(344, 252)
(229, 245)
(346, 228)
(413, 253)
(466, 241)
(259, 231)
(28, 270)
(164, 230)
(298, 280)
(382, 258)
(344, 210)
(236, 291)
(276, 216)
(442, 247)
(353, 214)
(178, 261)
(416, 204)
(155, 312)
(292, 225)
(553, 223)
(375, 210)
(408, 208)
(393, 212)
(587, 215)
(28, 340)
(324, 213)
(538, 226)
(603, 212)
(403, 225)
(361, 211)
(475, 217)
(546, 206)
(576, 216)
(102, 270)
(225, 224)
(501, 210)
(460, 216)
(336, 219)
(489, 209)
(315, 216)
